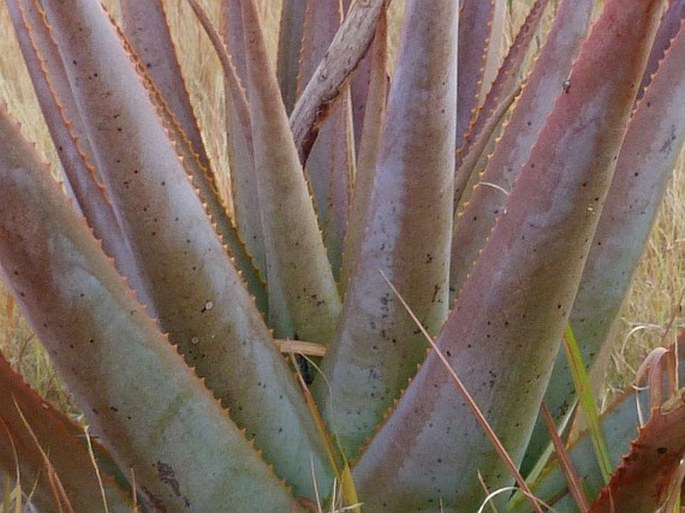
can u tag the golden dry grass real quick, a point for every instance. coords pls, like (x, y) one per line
(654, 303)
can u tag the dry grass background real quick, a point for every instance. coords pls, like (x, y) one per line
(655, 302)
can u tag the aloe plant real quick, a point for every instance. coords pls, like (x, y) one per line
(499, 215)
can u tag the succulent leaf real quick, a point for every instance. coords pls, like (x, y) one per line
(512, 310)
(197, 292)
(621, 423)
(330, 165)
(303, 298)
(66, 128)
(643, 479)
(649, 151)
(158, 297)
(377, 348)
(289, 45)
(502, 87)
(488, 201)
(668, 28)
(239, 136)
(374, 114)
(141, 399)
(475, 30)
(146, 30)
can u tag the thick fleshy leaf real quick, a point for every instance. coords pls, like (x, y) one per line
(330, 165)
(236, 105)
(232, 34)
(620, 423)
(289, 44)
(475, 29)
(503, 86)
(342, 57)
(374, 114)
(359, 89)
(642, 481)
(513, 308)
(473, 225)
(146, 30)
(141, 399)
(303, 298)
(200, 297)
(239, 137)
(650, 149)
(58, 437)
(377, 348)
(496, 47)
(669, 27)
(66, 128)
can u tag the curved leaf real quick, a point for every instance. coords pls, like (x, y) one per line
(377, 347)
(146, 30)
(644, 478)
(200, 297)
(330, 165)
(68, 133)
(473, 225)
(289, 45)
(238, 135)
(140, 397)
(649, 152)
(374, 114)
(475, 29)
(303, 298)
(505, 328)
(504, 85)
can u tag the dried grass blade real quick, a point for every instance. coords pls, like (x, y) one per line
(574, 483)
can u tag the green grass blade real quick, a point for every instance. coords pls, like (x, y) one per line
(587, 402)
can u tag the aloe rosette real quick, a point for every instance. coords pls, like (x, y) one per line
(502, 207)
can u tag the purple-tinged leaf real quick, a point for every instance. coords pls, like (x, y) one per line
(146, 30)
(503, 87)
(61, 439)
(141, 399)
(66, 128)
(648, 155)
(342, 57)
(289, 44)
(477, 148)
(330, 166)
(489, 199)
(342, 172)
(242, 250)
(505, 329)
(668, 28)
(199, 295)
(475, 27)
(239, 133)
(374, 113)
(359, 89)
(377, 347)
(643, 479)
(495, 47)
(231, 29)
(303, 298)
(321, 22)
